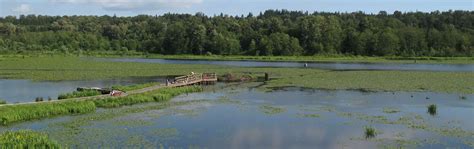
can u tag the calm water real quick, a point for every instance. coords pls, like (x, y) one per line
(330, 66)
(26, 91)
(236, 117)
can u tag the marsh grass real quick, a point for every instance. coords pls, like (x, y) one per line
(432, 110)
(18, 113)
(26, 112)
(134, 87)
(26, 139)
(267, 109)
(160, 95)
(370, 132)
(391, 110)
(77, 94)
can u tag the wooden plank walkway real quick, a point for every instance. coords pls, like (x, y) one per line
(193, 79)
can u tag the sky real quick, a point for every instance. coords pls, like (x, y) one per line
(213, 7)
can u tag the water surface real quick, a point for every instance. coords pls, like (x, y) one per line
(236, 117)
(319, 65)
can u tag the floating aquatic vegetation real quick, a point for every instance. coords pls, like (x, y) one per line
(391, 110)
(267, 109)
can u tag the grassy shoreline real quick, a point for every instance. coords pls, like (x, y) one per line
(26, 112)
(74, 68)
(316, 58)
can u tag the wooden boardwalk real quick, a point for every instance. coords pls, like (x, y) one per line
(193, 79)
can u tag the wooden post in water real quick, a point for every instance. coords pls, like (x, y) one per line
(267, 77)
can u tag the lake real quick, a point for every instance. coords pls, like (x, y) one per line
(245, 116)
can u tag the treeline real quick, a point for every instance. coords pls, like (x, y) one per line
(274, 32)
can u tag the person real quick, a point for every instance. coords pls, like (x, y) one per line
(305, 65)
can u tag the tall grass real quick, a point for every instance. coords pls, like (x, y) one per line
(432, 109)
(77, 94)
(370, 132)
(18, 113)
(26, 139)
(134, 87)
(160, 95)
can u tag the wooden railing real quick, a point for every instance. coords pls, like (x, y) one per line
(193, 79)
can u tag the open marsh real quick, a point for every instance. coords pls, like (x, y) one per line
(242, 116)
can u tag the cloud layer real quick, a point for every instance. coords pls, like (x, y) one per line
(22, 9)
(127, 5)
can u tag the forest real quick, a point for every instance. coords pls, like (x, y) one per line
(270, 33)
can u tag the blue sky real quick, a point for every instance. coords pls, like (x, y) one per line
(211, 7)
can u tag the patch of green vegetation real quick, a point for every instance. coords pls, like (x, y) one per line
(127, 88)
(74, 68)
(271, 110)
(159, 95)
(309, 115)
(18, 113)
(77, 94)
(447, 82)
(165, 133)
(2, 102)
(391, 110)
(226, 100)
(26, 139)
(432, 109)
(25, 112)
(370, 132)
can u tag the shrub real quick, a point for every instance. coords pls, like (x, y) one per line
(2, 102)
(26, 139)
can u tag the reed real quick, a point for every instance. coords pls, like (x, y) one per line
(432, 109)
(18, 113)
(160, 95)
(26, 139)
(370, 132)
(77, 94)
(134, 87)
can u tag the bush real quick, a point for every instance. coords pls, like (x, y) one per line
(26, 139)
(2, 102)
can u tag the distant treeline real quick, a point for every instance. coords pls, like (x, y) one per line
(273, 32)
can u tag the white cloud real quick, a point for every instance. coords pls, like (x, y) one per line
(134, 4)
(22, 9)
